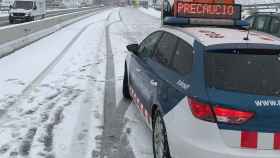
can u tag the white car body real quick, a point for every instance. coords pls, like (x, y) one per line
(194, 138)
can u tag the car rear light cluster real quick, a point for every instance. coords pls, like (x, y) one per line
(201, 110)
(218, 113)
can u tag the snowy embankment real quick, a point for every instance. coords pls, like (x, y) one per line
(4, 14)
(52, 94)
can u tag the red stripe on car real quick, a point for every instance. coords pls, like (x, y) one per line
(276, 141)
(249, 139)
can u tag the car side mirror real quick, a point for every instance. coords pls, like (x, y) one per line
(133, 48)
(35, 7)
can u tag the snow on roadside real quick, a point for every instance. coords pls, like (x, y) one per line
(35, 57)
(140, 137)
(151, 12)
(65, 111)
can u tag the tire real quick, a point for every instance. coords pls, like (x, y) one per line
(11, 21)
(160, 141)
(125, 85)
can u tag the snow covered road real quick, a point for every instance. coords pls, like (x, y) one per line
(61, 96)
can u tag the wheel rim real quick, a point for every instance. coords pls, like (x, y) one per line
(158, 139)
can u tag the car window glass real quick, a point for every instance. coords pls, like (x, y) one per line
(183, 58)
(260, 23)
(275, 26)
(250, 20)
(165, 49)
(148, 45)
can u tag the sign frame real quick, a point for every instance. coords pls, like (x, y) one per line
(169, 9)
(209, 8)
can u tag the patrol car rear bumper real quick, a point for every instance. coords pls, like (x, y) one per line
(189, 137)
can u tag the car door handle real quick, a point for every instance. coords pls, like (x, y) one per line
(138, 70)
(154, 83)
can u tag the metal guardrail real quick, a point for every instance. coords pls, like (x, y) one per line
(51, 13)
(4, 8)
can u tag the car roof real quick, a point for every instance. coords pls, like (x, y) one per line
(210, 36)
(266, 14)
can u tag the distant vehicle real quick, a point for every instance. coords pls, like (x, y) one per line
(102, 5)
(83, 4)
(27, 10)
(265, 22)
(247, 13)
(204, 91)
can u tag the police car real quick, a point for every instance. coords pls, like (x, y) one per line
(207, 91)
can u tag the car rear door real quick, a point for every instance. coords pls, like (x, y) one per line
(142, 80)
(174, 76)
(161, 67)
(154, 67)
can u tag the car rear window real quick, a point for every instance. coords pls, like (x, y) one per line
(248, 71)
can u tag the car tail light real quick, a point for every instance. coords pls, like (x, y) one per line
(220, 114)
(232, 116)
(201, 110)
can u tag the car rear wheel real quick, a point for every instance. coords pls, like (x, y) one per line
(125, 85)
(160, 142)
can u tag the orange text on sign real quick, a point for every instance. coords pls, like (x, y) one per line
(205, 9)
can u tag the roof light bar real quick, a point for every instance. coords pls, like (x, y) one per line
(183, 22)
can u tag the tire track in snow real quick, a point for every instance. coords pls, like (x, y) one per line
(114, 141)
(109, 93)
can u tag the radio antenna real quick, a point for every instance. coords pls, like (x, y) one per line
(247, 36)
